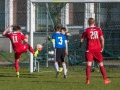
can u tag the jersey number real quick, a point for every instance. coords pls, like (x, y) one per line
(94, 34)
(60, 42)
(15, 39)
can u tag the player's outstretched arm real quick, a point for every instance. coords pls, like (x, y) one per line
(5, 31)
(49, 38)
(26, 38)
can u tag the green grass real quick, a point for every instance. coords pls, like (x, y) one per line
(6, 56)
(45, 80)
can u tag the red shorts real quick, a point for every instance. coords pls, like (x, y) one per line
(23, 48)
(96, 56)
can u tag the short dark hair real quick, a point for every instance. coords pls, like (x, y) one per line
(63, 28)
(57, 28)
(16, 28)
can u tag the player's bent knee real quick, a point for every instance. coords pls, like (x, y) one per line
(63, 62)
(101, 64)
(55, 62)
(89, 63)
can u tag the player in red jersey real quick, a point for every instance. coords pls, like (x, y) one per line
(94, 48)
(16, 37)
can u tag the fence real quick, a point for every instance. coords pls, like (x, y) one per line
(74, 17)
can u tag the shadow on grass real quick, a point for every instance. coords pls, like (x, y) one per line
(55, 81)
(21, 76)
(6, 76)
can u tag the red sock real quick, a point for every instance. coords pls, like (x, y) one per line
(31, 50)
(17, 66)
(102, 69)
(88, 68)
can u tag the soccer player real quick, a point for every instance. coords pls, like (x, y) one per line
(63, 31)
(17, 37)
(60, 45)
(94, 48)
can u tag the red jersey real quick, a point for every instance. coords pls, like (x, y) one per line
(92, 34)
(16, 39)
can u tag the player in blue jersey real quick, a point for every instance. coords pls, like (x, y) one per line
(67, 34)
(60, 45)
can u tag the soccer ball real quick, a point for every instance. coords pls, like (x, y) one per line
(39, 47)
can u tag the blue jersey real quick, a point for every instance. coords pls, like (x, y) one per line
(59, 40)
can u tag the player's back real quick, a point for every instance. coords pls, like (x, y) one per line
(16, 39)
(93, 39)
(59, 40)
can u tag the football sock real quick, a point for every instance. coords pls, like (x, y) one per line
(56, 67)
(88, 68)
(64, 68)
(102, 69)
(18, 73)
(17, 66)
(31, 49)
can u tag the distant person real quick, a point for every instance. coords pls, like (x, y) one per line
(17, 37)
(94, 48)
(60, 45)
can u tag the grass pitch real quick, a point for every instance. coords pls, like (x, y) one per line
(46, 80)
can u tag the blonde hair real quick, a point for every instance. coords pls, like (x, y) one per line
(91, 21)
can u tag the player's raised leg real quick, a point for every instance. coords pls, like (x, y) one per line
(31, 49)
